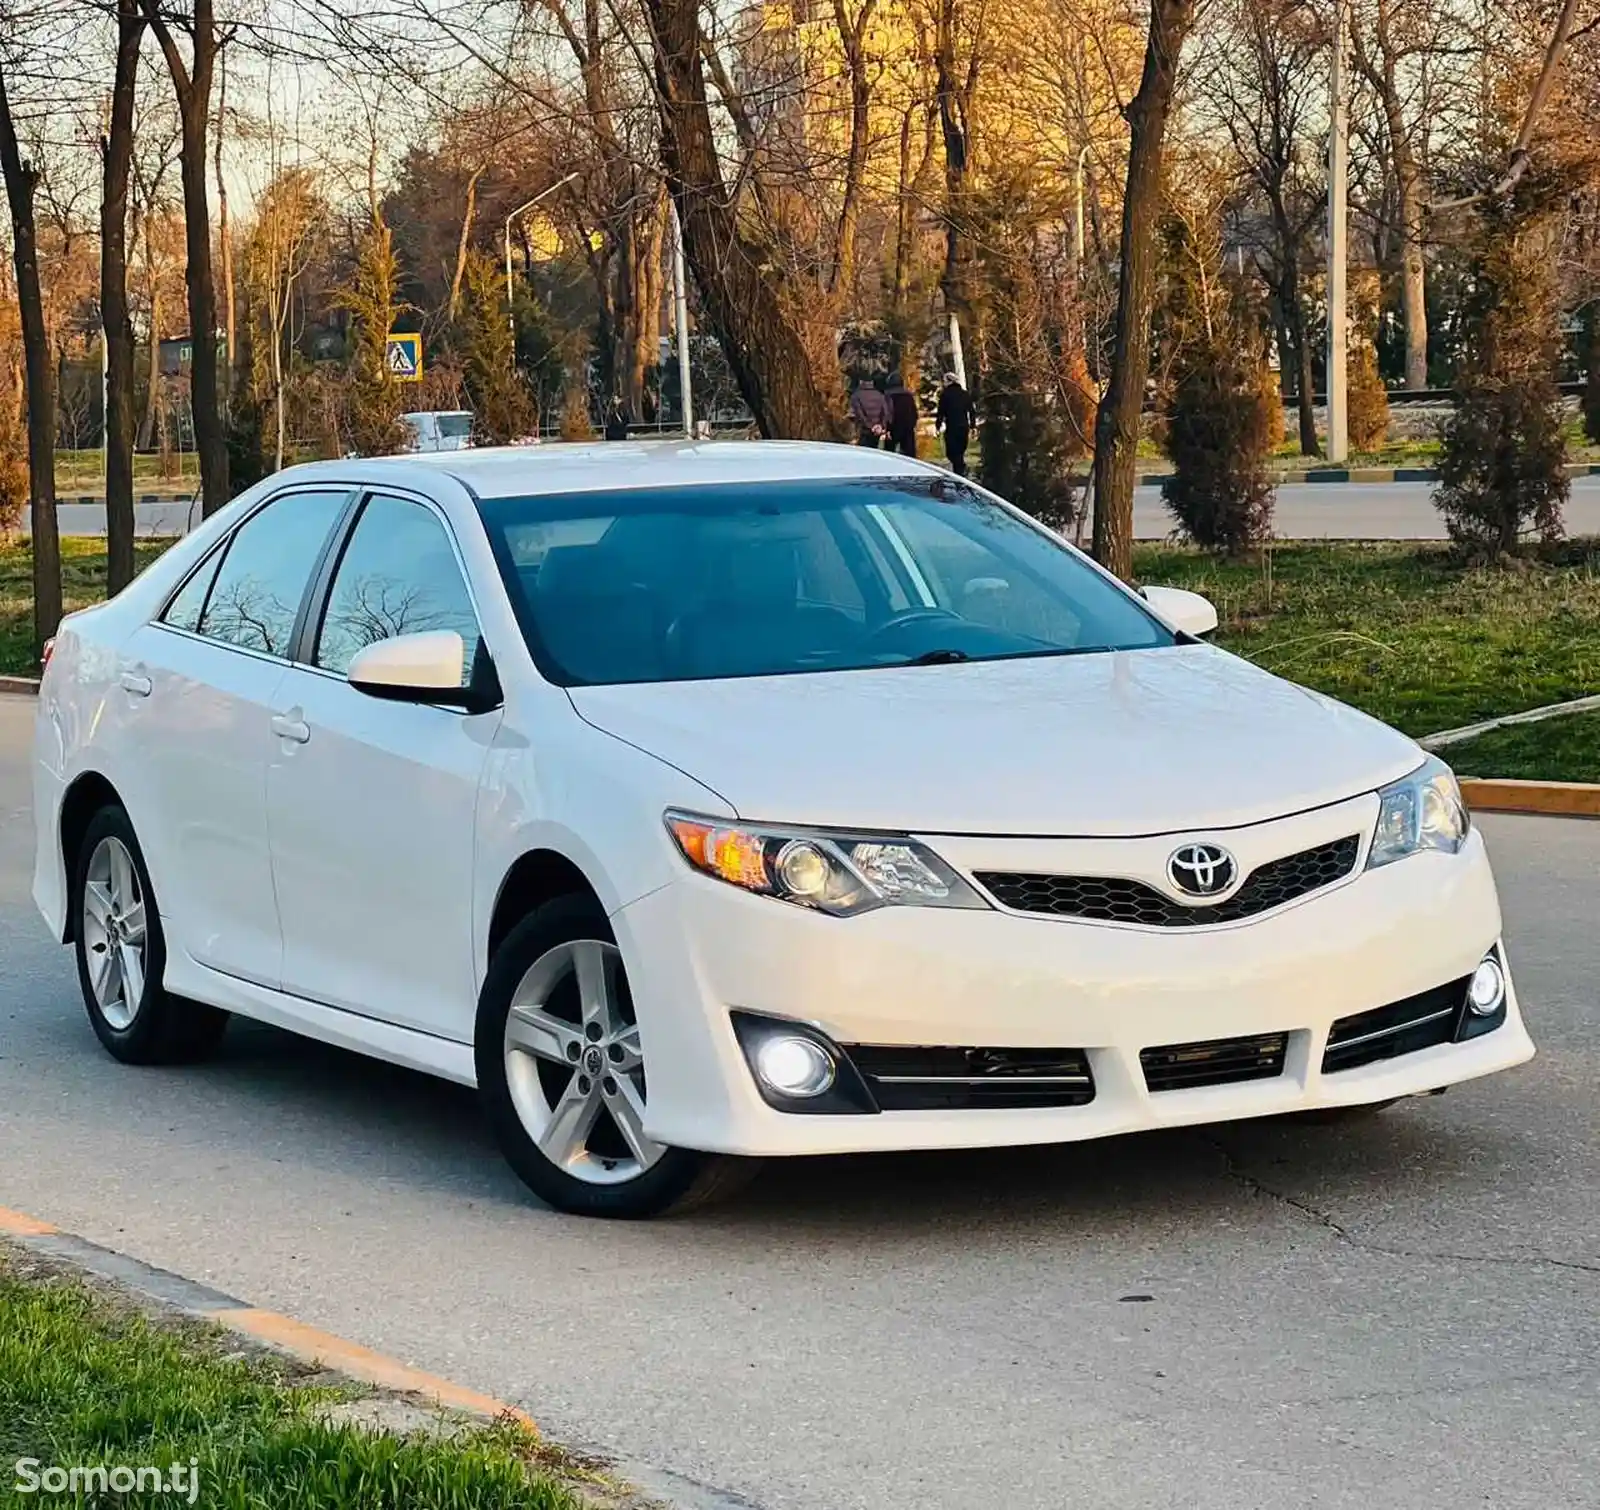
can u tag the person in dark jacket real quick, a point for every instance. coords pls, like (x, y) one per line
(953, 419)
(617, 421)
(869, 412)
(902, 418)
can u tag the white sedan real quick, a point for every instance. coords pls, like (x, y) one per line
(701, 802)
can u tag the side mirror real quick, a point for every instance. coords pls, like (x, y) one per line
(1187, 612)
(419, 668)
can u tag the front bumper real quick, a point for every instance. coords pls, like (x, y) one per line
(698, 950)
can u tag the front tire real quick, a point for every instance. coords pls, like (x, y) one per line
(562, 1074)
(122, 954)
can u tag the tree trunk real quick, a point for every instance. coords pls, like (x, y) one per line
(1381, 68)
(1300, 354)
(1413, 276)
(954, 127)
(225, 242)
(1591, 387)
(1117, 428)
(743, 300)
(853, 38)
(204, 390)
(464, 242)
(21, 180)
(1306, 384)
(117, 162)
(192, 86)
(645, 331)
(152, 398)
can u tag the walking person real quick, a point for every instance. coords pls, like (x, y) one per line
(902, 418)
(869, 411)
(618, 421)
(953, 418)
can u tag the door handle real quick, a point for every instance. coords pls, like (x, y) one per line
(288, 727)
(139, 686)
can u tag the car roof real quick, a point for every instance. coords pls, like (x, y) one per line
(577, 467)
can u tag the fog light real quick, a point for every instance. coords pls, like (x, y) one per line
(1486, 992)
(794, 1066)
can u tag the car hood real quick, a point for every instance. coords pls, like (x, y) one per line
(1136, 742)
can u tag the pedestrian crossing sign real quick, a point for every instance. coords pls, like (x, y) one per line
(404, 357)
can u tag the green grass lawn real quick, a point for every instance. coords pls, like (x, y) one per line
(1397, 629)
(83, 582)
(1402, 631)
(83, 472)
(1559, 749)
(85, 1380)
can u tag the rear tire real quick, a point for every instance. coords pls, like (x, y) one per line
(122, 954)
(562, 1075)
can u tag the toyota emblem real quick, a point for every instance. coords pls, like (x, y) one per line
(1202, 870)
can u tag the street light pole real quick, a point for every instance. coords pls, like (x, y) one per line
(511, 319)
(680, 308)
(1338, 237)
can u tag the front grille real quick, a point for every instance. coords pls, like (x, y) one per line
(1110, 899)
(941, 1079)
(1419, 1022)
(1223, 1061)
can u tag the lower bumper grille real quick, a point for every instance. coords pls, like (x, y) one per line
(1418, 1022)
(941, 1079)
(1223, 1061)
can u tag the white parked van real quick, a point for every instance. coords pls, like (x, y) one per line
(440, 429)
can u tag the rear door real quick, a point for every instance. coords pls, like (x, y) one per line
(372, 804)
(200, 686)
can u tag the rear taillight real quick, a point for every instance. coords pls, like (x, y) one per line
(44, 656)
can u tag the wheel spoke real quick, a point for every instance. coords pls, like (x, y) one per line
(535, 1031)
(124, 891)
(133, 924)
(97, 903)
(571, 1122)
(627, 1040)
(132, 966)
(102, 969)
(627, 1111)
(594, 985)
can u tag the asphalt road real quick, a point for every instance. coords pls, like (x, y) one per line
(1305, 511)
(1404, 1312)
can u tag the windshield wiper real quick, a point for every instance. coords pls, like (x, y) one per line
(938, 658)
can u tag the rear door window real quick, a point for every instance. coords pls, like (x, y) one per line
(255, 597)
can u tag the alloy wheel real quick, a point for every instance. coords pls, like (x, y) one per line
(574, 1064)
(115, 937)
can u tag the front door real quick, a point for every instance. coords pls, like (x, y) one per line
(371, 803)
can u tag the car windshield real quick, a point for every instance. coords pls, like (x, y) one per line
(763, 579)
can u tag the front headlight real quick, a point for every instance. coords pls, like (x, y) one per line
(1420, 812)
(840, 874)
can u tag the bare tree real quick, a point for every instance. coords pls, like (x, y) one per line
(191, 83)
(1117, 426)
(1264, 90)
(21, 180)
(116, 152)
(745, 297)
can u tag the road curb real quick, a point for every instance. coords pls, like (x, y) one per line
(1552, 799)
(97, 500)
(23, 686)
(283, 1334)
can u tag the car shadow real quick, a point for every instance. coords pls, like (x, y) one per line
(350, 1112)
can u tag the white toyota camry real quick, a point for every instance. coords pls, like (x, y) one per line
(698, 802)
